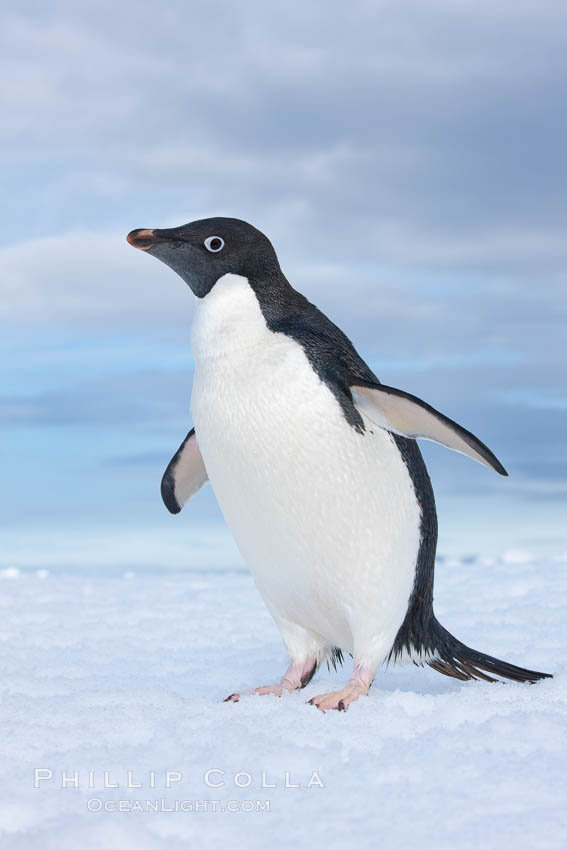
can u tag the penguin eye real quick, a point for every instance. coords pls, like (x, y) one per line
(214, 244)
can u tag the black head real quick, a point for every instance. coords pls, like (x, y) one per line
(203, 251)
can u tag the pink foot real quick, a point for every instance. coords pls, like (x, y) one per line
(276, 690)
(297, 675)
(358, 686)
(337, 699)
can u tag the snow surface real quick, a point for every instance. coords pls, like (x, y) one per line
(128, 672)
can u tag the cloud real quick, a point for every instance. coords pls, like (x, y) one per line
(389, 155)
(407, 162)
(424, 135)
(116, 399)
(90, 278)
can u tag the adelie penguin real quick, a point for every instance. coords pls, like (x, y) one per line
(315, 466)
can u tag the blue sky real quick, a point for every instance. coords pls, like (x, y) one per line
(407, 161)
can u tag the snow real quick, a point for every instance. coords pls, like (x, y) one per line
(128, 673)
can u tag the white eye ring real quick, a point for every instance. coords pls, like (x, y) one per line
(212, 240)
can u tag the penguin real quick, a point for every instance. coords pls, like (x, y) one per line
(315, 465)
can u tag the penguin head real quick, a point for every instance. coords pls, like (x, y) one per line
(203, 251)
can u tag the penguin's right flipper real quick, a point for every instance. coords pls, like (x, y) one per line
(184, 476)
(409, 416)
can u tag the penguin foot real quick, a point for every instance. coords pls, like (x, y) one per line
(357, 686)
(297, 675)
(276, 690)
(339, 700)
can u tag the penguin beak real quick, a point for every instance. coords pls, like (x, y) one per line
(163, 245)
(145, 239)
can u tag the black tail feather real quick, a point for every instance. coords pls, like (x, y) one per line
(453, 658)
(335, 658)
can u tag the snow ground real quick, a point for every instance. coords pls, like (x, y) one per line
(128, 672)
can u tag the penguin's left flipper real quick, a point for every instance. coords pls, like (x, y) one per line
(185, 474)
(409, 416)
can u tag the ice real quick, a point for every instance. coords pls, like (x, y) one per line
(517, 556)
(10, 573)
(128, 673)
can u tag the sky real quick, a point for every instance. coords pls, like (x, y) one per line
(407, 160)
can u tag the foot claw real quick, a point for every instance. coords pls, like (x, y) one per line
(339, 700)
(232, 698)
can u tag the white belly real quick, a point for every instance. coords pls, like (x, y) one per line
(325, 517)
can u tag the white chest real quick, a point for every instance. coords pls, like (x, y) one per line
(325, 517)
